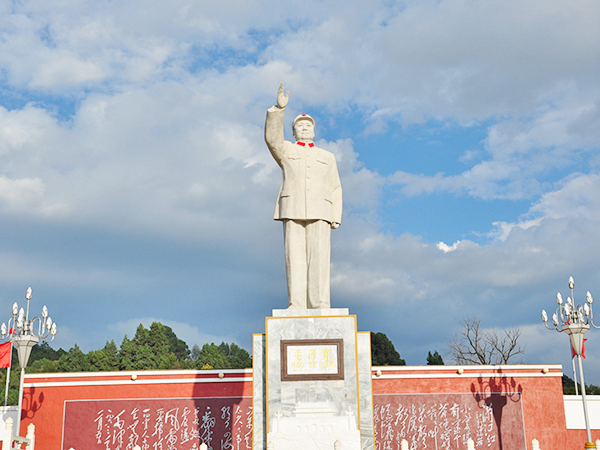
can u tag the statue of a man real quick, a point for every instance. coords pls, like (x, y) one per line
(309, 204)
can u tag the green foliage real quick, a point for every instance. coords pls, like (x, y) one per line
(43, 365)
(13, 385)
(569, 387)
(176, 346)
(383, 352)
(212, 357)
(224, 356)
(237, 357)
(43, 359)
(195, 352)
(74, 361)
(105, 360)
(157, 339)
(149, 345)
(168, 362)
(157, 348)
(435, 359)
(112, 355)
(44, 351)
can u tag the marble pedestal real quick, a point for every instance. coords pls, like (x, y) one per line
(312, 382)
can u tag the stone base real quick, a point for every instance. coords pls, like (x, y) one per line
(312, 413)
(314, 427)
(314, 441)
(294, 312)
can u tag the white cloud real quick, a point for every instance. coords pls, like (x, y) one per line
(20, 193)
(26, 196)
(576, 199)
(162, 163)
(65, 70)
(448, 248)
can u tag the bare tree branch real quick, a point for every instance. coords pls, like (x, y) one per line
(505, 345)
(472, 345)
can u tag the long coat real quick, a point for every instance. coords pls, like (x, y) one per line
(310, 188)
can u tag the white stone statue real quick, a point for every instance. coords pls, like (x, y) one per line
(309, 204)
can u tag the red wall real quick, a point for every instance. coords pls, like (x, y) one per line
(542, 398)
(541, 394)
(45, 395)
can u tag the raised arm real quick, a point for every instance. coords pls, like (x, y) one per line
(274, 125)
(282, 100)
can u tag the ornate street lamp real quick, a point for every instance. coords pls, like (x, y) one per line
(22, 333)
(574, 321)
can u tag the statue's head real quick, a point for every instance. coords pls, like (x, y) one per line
(304, 128)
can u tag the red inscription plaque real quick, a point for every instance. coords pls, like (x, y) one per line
(158, 424)
(446, 421)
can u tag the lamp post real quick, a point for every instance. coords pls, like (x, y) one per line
(575, 321)
(22, 333)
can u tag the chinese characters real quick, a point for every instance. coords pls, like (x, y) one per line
(159, 424)
(442, 421)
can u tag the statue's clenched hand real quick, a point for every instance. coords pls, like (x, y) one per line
(282, 100)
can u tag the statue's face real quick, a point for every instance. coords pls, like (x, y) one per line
(304, 130)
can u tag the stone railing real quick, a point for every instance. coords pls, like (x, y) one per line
(19, 441)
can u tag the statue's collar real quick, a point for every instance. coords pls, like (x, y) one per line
(304, 143)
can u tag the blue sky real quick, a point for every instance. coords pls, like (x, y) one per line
(135, 184)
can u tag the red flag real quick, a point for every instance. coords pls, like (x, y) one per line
(582, 349)
(5, 353)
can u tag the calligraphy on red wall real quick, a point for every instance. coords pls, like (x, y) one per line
(446, 421)
(158, 424)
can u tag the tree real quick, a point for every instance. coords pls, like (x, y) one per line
(224, 356)
(176, 345)
(211, 357)
(13, 384)
(148, 350)
(43, 359)
(106, 359)
(195, 352)
(237, 357)
(112, 354)
(472, 345)
(43, 365)
(126, 353)
(383, 352)
(138, 357)
(435, 359)
(154, 348)
(44, 351)
(137, 353)
(74, 361)
(158, 340)
(569, 387)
